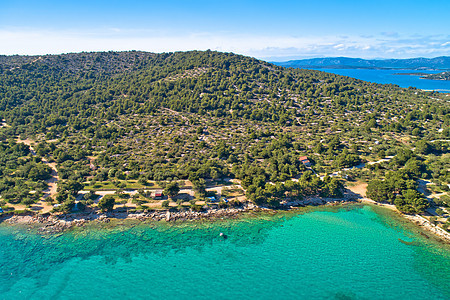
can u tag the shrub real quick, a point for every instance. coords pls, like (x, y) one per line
(196, 207)
(107, 203)
(223, 204)
(28, 201)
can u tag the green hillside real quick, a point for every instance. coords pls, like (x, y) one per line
(208, 115)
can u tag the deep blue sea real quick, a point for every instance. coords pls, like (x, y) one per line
(352, 252)
(388, 76)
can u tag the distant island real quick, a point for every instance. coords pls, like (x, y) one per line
(437, 63)
(439, 76)
(412, 74)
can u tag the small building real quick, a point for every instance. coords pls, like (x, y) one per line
(305, 161)
(158, 195)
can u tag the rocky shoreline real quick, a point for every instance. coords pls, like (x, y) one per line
(427, 225)
(418, 220)
(56, 223)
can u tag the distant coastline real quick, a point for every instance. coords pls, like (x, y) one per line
(412, 74)
(420, 63)
(439, 76)
(405, 78)
(370, 68)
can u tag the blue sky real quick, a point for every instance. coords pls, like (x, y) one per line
(273, 30)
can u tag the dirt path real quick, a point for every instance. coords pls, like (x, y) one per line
(3, 124)
(51, 191)
(219, 189)
(176, 113)
(360, 189)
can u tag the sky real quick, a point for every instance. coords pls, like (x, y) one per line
(271, 30)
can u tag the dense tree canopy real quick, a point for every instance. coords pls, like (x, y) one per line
(204, 115)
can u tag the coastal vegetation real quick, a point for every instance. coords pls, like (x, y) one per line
(191, 125)
(399, 187)
(22, 177)
(438, 76)
(106, 203)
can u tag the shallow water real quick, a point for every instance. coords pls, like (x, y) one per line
(339, 253)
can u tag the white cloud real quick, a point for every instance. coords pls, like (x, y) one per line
(339, 47)
(28, 41)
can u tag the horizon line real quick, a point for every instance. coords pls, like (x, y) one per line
(267, 59)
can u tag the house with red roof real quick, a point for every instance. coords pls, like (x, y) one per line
(305, 161)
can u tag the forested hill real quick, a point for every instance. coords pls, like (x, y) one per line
(82, 64)
(440, 63)
(204, 115)
(40, 93)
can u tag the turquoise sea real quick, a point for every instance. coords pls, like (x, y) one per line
(391, 77)
(351, 252)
